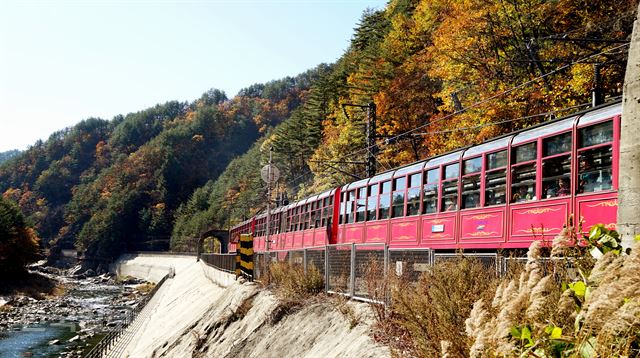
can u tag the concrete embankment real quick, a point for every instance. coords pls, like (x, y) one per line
(194, 314)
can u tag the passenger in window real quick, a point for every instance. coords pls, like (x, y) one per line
(451, 205)
(525, 193)
(561, 189)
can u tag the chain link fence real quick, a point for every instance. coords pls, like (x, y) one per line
(359, 270)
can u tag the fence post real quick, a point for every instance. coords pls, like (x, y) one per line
(352, 283)
(326, 268)
(304, 261)
(386, 260)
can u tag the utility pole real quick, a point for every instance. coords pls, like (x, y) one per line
(370, 135)
(372, 148)
(268, 243)
(629, 176)
(597, 93)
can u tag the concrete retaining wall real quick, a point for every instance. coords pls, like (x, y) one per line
(220, 278)
(127, 265)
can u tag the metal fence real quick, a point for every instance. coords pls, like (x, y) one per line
(360, 270)
(222, 262)
(355, 270)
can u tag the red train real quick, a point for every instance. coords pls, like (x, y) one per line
(503, 193)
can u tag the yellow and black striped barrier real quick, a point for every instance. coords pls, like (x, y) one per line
(244, 257)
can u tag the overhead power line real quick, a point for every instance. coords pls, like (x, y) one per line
(494, 97)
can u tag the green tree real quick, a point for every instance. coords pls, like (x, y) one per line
(19, 244)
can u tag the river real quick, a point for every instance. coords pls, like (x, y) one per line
(67, 325)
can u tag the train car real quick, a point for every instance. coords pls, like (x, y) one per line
(245, 227)
(501, 194)
(305, 223)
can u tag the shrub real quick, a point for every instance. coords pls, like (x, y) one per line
(424, 316)
(291, 282)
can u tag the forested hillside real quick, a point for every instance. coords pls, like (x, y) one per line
(508, 64)
(4, 156)
(443, 74)
(111, 185)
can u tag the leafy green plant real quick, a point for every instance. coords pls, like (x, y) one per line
(602, 240)
(523, 335)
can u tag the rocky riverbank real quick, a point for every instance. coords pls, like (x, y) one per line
(89, 307)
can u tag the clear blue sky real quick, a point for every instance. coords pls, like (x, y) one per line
(63, 61)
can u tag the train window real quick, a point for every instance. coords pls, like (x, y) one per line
(413, 201)
(315, 215)
(449, 195)
(430, 189)
(523, 183)
(386, 187)
(361, 204)
(372, 202)
(325, 215)
(557, 144)
(415, 180)
(287, 225)
(397, 202)
(350, 204)
(413, 194)
(343, 206)
(470, 192)
(472, 165)
(385, 200)
(497, 160)
(594, 170)
(432, 176)
(597, 134)
(556, 176)
(399, 183)
(294, 221)
(525, 152)
(496, 187)
(451, 171)
(307, 218)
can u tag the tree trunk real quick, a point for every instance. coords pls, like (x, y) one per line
(629, 177)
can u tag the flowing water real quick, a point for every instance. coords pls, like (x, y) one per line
(65, 326)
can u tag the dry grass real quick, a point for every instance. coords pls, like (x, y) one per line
(291, 282)
(292, 286)
(593, 308)
(341, 302)
(427, 316)
(145, 288)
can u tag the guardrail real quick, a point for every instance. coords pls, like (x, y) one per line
(114, 342)
(222, 262)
